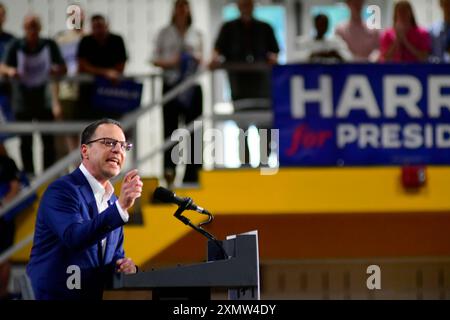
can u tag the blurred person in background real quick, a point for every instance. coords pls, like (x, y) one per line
(179, 51)
(5, 39)
(362, 42)
(319, 48)
(9, 188)
(103, 54)
(247, 40)
(30, 61)
(65, 93)
(5, 87)
(405, 41)
(440, 35)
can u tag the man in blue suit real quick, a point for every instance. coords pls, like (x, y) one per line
(78, 240)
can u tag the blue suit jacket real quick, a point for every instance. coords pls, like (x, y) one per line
(68, 232)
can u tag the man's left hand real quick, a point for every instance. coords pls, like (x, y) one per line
(126, 265)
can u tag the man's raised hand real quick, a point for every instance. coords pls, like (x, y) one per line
(131, 189)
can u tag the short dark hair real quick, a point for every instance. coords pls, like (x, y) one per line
(319, 16)
(98, 17)
(89, 131)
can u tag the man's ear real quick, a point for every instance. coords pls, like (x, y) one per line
(84, 151)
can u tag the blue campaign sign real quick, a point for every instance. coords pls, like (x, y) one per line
(362, 114)
(122, 97)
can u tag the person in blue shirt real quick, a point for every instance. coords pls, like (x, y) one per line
(440, 36)
(5, 37)
(5, 87)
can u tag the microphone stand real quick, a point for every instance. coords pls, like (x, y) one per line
(179, 215)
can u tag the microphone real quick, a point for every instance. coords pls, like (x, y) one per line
(167, 196)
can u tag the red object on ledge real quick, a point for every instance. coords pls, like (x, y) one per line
(413, 176)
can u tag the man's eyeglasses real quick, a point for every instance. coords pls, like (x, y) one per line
(111, 143)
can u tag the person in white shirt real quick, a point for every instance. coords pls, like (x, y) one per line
(178, 51)
(321, 49)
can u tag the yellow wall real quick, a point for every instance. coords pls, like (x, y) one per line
(321, 190)
(346, 192)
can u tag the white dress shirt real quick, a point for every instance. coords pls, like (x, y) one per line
(102, 195)
(170, 42)
(308, 45)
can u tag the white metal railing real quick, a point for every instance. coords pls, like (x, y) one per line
(127, 122)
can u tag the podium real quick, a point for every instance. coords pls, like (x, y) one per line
(238, 272)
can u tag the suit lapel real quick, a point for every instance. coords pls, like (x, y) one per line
(99, 253)
(86, 192)
(88, 195)
(108, 252)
